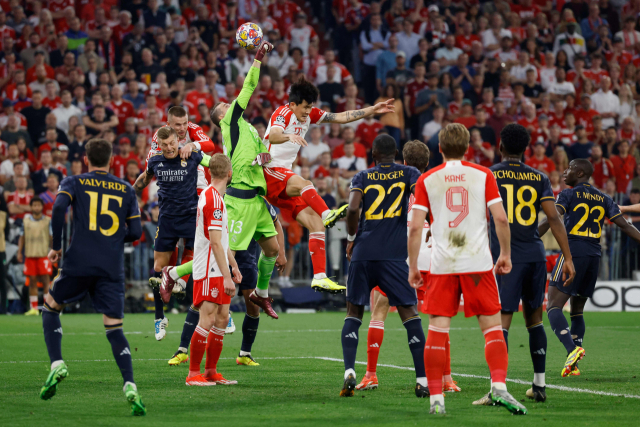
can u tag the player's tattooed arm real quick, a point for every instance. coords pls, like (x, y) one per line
(143, 180)
(353, 115)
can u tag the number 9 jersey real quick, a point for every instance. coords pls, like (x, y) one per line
(382, 231)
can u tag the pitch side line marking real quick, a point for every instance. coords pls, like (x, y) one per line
(404, 368)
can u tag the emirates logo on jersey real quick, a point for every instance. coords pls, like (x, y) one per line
(214, 293)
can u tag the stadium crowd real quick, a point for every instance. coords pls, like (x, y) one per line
(569, 71)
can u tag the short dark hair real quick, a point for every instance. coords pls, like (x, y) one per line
(303, 90)
(416, 154)
(585, 166)
(36, 199)
(99, 152)
(385, 145)
(514, 138)
(634, 191)
(177, 111)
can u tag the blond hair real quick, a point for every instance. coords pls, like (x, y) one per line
(454, 140)
(165, 132)
(219, 166)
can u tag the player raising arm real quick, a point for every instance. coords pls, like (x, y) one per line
(93, 263)
(584, 208)
(456, 195)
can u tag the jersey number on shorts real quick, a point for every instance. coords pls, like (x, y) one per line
(370, 215)
(521, 204)
(104, 210)
(576, 228)
(236, 227)
(462, 207)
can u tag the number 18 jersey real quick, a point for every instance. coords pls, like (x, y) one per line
(382, 231)
(456, 195)
(523, 189)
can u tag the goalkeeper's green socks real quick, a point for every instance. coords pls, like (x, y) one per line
(181, 270)
(265, 270)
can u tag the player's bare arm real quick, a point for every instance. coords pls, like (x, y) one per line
(503, 265)
(143, 180)
(560, 233)
(418, 218)
(627, 228)
(543, 226)
(630, 209)
(281, 260)
(235, 271)
(215, 241)
(353, 115)
(277, 136)
(353, 213)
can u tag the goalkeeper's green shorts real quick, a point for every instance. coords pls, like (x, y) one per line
(248, 219)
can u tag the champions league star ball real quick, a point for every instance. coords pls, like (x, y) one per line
(249, 36)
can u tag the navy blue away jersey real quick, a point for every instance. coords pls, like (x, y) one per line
(177, 183)
(382, 231)
(249, 257)
(102, 204)
(522, 189)
(585, 209)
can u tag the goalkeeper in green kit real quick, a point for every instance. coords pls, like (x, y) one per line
(247, 213)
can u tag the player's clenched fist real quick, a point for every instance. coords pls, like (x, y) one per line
(503, 265)
(415, 278)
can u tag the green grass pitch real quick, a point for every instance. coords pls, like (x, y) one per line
(301, 374)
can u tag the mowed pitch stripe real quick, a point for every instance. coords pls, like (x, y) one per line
(404, 368)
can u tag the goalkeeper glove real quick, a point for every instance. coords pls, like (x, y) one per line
(261, 159)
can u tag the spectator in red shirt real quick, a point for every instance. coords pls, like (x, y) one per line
(367, 131)
(467, 118)
(18, 201)
(349, 136)
(602, 167)
(22, 100)
(51, 100)
(120, 161)
(132, 168)
(529, 121)
(539, 160)
(283, 11)
(585, 114)
(624, 166)
(479, 152)
(49, 196)
(39, 59)
(323, 170)
(120, 107)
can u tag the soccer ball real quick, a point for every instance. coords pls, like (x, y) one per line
(249, 36)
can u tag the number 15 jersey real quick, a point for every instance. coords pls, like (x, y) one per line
(382, 231)
(456, 195)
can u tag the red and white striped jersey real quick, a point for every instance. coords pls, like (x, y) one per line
(424, 257)
(283, 155)
(204, 179)
(194, 134)
(456, 195)
(211, 215)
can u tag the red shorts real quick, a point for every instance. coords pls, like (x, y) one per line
(211, 290)
(37, 266)
(480, 292)
(277, 179)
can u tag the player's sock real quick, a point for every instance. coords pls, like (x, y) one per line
(435, 358)
(265, 270)
(198, 346)
(314, 201)
(350, 342)
(174, 257)
(447, 360)
(578, 328)
(318, 254)
(495, 351)
(214, 348)
(121, 351)
(415, 335)
(187, 256)
(190, 323)
(560, 326)
(538, 349)
(374, 342)
(249, 332)
(33, 300)
(505, 334)
(181, 270)
(157, 299)
(52, 332)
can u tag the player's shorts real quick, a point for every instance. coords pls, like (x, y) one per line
(421, 291)
(584, 283)
(248, 219)
(107, 295)
(173, 228)
(210, 289)
(526, 281)
(480, 292)
(249, 278)
(389, 276)
(277, 179)
(37, 266)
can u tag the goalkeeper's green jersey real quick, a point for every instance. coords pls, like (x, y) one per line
(241, 141)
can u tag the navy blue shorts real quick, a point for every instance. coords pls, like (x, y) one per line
(107, 295)
(171, 229)
(391, 276)
(527, 282)
(584, 283)
(249, 278)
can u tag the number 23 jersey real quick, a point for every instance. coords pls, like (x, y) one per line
(382, 231)
(584, 209)
(456, 195)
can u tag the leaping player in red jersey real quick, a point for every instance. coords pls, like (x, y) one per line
(286, 190)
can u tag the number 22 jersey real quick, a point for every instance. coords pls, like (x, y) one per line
(382, 231)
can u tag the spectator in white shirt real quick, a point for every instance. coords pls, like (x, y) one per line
(491, 38)
(349, 164)
(606, 103)
(548, 72)
(65, 111)
(434, 126)
(629, 36)
(571, 42)
(408, 40)
(281, 61)
(519, 71)
(448, 54)
(311, 153)
(372, 42)
(561, 87)
(7, 166)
